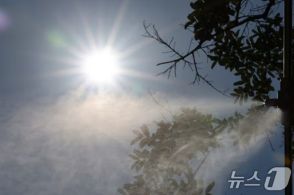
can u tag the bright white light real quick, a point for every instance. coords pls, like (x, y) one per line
(100, 66)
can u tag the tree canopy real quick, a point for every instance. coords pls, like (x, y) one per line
(243, 36)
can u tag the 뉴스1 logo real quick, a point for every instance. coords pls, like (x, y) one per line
(277, 179)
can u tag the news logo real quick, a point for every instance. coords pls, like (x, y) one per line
(277, 179)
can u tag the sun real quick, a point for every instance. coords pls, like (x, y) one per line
(100, 66)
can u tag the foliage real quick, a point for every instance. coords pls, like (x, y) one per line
(167, 158)
(243, 36)
(163, 159)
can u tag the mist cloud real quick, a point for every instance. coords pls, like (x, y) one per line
(80, 145)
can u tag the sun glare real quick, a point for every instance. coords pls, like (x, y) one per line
(100, 66)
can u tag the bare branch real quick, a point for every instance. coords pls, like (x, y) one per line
(154, 34)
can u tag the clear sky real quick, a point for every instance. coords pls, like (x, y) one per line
(60, 132)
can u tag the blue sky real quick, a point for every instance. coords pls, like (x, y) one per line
(55, 128)
(25, 48)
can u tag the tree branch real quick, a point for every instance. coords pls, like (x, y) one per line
(180, 58)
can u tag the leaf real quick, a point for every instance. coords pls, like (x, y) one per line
(239, 82)
(209, 188)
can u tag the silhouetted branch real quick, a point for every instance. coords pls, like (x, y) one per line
(227, 39)
(154, 34)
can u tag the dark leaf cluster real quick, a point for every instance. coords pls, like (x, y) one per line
(247, 43)
(242, 36)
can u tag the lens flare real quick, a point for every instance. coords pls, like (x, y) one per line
(4, 21)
